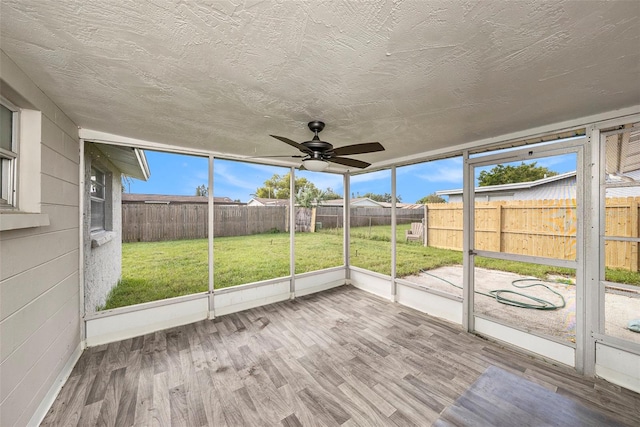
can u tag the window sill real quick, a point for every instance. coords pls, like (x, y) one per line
(17, 220)
(100, 238)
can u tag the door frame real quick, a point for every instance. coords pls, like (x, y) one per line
(544, 345)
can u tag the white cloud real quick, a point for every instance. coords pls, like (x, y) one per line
(323, 180)
(444, 170)
(372, 176)
(444, 175)
(224, 172)
(565, 162)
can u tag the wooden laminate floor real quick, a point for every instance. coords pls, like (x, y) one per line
(340, 357)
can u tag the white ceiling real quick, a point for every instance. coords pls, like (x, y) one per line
(414, 75)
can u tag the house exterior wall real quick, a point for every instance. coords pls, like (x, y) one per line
(102, 250)
(561, 189)
(40, 331)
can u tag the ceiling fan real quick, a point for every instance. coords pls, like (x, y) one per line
(317, 153)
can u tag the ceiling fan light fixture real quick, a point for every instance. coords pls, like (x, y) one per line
(315, 165)
(317, 153)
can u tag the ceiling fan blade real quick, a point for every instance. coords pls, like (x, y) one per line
(349, 162)
(291, 143)
(297, 156)
(367, 147)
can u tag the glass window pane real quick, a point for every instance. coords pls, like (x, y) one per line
(370, 221)
(534, 297)
(527, 208)
(622, 220)
(164, 233)
(429, 228)
(319, 237)
(6, 128)
(97, 184)
(251, 223)
(97, 215)
(621, 266)
(4, 182)
(621, 308)
(622, 152)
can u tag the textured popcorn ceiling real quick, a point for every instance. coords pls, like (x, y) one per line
(414, 75)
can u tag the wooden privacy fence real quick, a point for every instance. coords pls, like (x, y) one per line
(154, 222)
(545, 228)
(364, 217)
(333, 216)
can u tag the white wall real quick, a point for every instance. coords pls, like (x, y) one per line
(102, 261)
(39, 275)
(618, 366)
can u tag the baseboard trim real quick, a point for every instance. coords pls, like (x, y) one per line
(55, 388)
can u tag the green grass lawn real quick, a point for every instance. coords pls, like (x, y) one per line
(158, 270)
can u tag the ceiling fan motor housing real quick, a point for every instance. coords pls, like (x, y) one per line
(317, 146)
(317, 151)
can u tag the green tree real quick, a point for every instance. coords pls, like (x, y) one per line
(525, 172)
(331, 195)
(386, 197)
(310, 197)
(277, 187)
(431, 198)
(202, 190)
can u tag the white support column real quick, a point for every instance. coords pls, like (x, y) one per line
(210, 228)
(83, 332)
(583, 216)
(591, 305)
(346, 222)
(468, 198)
(292, 233)
(393, 235)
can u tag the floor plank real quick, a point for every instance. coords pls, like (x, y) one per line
(342, 357)
(502, 398)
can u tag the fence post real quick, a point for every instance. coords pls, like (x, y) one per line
(499, 226)
(425, 227)
(287, 212)
(634, 233)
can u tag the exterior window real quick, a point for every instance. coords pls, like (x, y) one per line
(97, 200)
(8, 155)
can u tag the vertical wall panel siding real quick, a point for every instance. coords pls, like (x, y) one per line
(39, 276)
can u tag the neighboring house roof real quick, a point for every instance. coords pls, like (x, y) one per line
(130, 161)
(410, 205)
(263, 201)
(511, 187)
(357, 201)
(551, 188)
(402, 205)
(623, 153)
(163, 198)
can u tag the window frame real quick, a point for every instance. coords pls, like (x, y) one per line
(10, 160)
(97, 228)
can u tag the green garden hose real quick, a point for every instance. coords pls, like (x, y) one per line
(540, 304)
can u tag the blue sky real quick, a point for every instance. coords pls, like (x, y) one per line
(179, 174)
